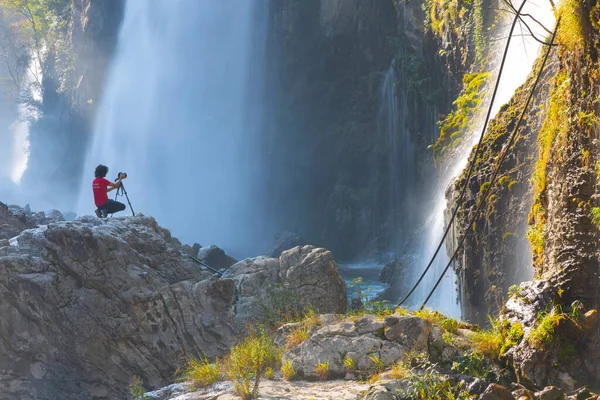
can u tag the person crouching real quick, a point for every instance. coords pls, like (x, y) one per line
(101, 186)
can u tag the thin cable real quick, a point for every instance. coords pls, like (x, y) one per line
(498, 165)
(472, 165)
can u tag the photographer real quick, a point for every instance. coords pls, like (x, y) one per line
(101, 186)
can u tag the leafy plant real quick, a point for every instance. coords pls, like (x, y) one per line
(136, 389)
(322, 370)
(202, 373)
(399, 371)
(297, 336)
(287, 369)
(349, 364)
(379, 366)
(248, 361)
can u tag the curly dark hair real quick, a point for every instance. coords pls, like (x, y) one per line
(101, 171)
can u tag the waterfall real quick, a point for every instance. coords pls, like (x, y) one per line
(182, 114)
(521, 57)
(399, 161)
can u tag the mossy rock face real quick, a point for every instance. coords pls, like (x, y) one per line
(560, 341)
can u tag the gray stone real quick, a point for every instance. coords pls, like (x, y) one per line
(88, 304)
(410, 331)
(215, 257)
(379, 393)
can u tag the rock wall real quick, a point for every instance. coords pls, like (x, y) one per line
(331, 167)
(496, 253)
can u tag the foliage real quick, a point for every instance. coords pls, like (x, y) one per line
(269, 373)
(287, 369)
(570, 32)
(465, 107)
(470, 363)
(596, 217)
(447, 324)
(432, 385)
(399, 371)
(377, 363)
(322, 370)
(297, 336)
(553, 128)
(497, 340)
(280, 305)
(543, 335)
(370, 306)
(136, 389)
(349, 364)
(33, 35)
(508, 235)
(202, 373)
(248, 361)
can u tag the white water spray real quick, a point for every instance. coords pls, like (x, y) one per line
(522, 54)
(181, 115)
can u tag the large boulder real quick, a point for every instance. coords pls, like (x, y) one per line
(307, 274)
(215, 257)
(86, 305)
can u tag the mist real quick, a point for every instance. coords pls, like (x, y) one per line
(182, 114)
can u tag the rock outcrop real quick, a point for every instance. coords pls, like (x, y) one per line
(88, 304)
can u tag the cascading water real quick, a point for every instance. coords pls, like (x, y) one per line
(182, 115)
(522, 54)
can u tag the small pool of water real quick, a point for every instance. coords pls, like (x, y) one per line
(369, 272)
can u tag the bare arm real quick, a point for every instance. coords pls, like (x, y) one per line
(113, 186)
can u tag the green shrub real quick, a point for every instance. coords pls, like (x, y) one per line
(202, 373)
(136, 389)
(248, 361)
(287, 370)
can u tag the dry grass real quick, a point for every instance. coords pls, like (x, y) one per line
(297, 337)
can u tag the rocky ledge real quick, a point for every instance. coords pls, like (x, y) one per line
(86, 305)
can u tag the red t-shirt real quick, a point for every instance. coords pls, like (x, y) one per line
(100, 195)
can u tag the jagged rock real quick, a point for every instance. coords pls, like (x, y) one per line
(411, 331)
(10, 224)
(308, 271)
(215, 257)
(478, 386)
(496, 392)
(532, 298)
(379, 393)
(551, 393)
(88, 304)
(192, 250)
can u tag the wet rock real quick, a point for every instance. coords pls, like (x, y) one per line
(284, 241)
(496, 392)
(590, 320)
(215, 257)
(10, 224)
(551, 393)
(192, 250)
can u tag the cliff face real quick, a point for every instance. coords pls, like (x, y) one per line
(333, 159)
(496, 253)
(547, 197)
(72, 87)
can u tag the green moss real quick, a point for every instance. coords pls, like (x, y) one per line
(596, 217)
(484, 188)
(554, 127)
(512, 184)
(543, 336)
(503, 181)
(508, 235)
(567, 353)
(454, 126)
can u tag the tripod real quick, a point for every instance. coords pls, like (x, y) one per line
(121, 191)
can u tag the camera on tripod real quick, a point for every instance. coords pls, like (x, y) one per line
(121, 175)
